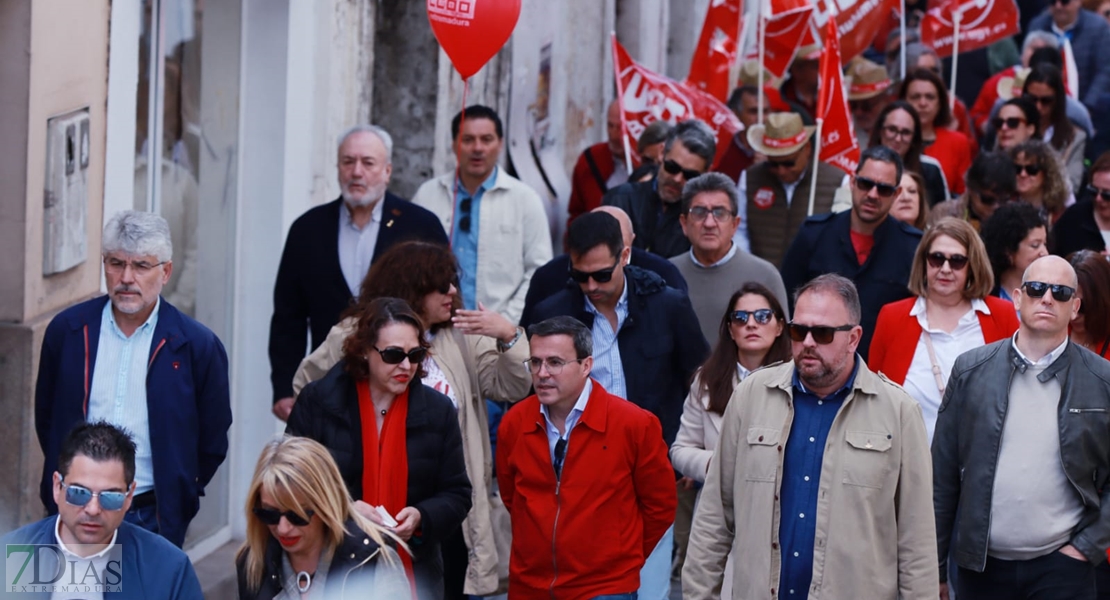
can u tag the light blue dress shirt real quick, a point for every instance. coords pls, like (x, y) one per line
(553, 434)
(608, 369)
(465, 244)
(356, 246)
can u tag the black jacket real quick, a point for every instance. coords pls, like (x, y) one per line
(969, 434)
(1077, 229)
(310, 291)
(660, 343)
(358, 570)
(555, 275)
(824, 245)
(654, 222)
(327, 411)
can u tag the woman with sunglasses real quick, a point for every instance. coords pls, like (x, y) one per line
(1085, 225)
(1045, 87)
(1017, 121)
(304, 537)
(1015, 236)
(474, 355)
(899, 128)
(918, 339)
(1091, 327)
(752, 334)
(925, 91)
(1041, 182)
(396, 441)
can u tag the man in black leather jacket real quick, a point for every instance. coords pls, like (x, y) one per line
(1021, 456)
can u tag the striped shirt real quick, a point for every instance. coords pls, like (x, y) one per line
(118, 393)
(608, 369)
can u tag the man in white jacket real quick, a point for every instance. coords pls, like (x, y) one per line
(498, 226)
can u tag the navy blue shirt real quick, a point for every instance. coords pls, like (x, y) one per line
(801, 478)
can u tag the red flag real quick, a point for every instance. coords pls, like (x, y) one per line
(837, 137)
(982, 22)
(646, 96)
(857, 21)
(847, 162)
(785, 32)
(716, 49)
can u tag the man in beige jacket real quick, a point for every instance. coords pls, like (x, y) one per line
(821, 480)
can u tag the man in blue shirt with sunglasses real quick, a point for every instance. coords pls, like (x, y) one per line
(88, 550)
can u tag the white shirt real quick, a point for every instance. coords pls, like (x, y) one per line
(727, 257)
(741, 238)
(356, 246)
(78, 583)
(575, 414)
(920, 382)
(1045, 360)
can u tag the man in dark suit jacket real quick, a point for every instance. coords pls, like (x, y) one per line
(331, 247)
(555, 275)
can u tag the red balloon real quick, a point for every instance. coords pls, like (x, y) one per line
(472, 31)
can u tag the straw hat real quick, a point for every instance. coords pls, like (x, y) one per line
(808, 52)
(749, 75)
(868, 80)
(783, 135)
(1011, 85)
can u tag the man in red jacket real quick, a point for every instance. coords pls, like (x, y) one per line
(600, 167)
(588, 508)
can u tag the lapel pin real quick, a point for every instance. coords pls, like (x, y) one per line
(389, 223)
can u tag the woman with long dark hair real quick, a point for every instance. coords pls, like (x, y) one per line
(925, 90)
(899, 128)
(1091, 327)
(1045, 87)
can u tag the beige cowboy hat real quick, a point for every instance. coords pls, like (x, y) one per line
(783, 135)
(808, 52)
(1011, 85)
(868, 80)
(749, 75)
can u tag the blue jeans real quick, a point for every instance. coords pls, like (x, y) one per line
(628, 596)
(145, 517)
(655, 577)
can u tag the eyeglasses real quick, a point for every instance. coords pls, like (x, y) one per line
(560, 455)
(1042, 100)
(272, 516)
(1031, 170)
(989, 200)
(699, 213)
(554, 365)
(116, 266)
(1037, 289)
(936, 260)
(1104, 195)
(822, 334)
(395, 356)
(464, 210)
(600, 276)
(865, 185)
(892, 131)
(1008, 122)
(782, 164)
(674, 168)
(79, 495)
(761, 316)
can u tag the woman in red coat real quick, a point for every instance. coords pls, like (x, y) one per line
(917, 340)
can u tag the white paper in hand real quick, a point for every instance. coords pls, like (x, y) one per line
(387, 519)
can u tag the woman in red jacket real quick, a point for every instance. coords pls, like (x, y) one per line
(925, 91)
(1091, 327)
(917, 340)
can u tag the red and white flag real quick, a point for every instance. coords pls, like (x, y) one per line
(837, 135)
(784, 34)
(982, 22)
(716, 49)
(646, 97)
(858, 22)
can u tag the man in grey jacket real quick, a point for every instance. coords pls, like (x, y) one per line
(1021, 454)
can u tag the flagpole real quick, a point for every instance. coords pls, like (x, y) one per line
(816, 156)
(620, 102)
(955, 58)
(762, 55)
(902, 50)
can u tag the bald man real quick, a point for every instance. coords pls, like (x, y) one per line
(1021, 454)
(600, 167)
(555, 275)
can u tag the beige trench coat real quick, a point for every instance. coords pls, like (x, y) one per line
(875, 538)
(476, 370)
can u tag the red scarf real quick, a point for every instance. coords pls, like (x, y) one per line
(385, 462)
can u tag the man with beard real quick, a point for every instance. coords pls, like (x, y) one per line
(821, 480)
(331, 247)
(132, 359)
(864, 244)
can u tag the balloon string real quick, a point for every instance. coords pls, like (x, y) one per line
(458, 162)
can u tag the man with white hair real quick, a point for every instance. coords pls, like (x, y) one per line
(132, 359)
(331, 247)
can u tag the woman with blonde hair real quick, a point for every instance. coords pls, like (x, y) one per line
(917, 340)
(304, 538)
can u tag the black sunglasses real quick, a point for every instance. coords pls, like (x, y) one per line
(989, 200)
(395, 356)
(1008, 123)
(600, 276)
(761, 316)
(822, 334)
(1099, 194)
(865, 185)
(782, 164)
(1062, 2)
(272, 516)
(674, 168)
(1037, 289)
(464, 220)
(936, 260)
(1031, 170)
(1042, 100)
